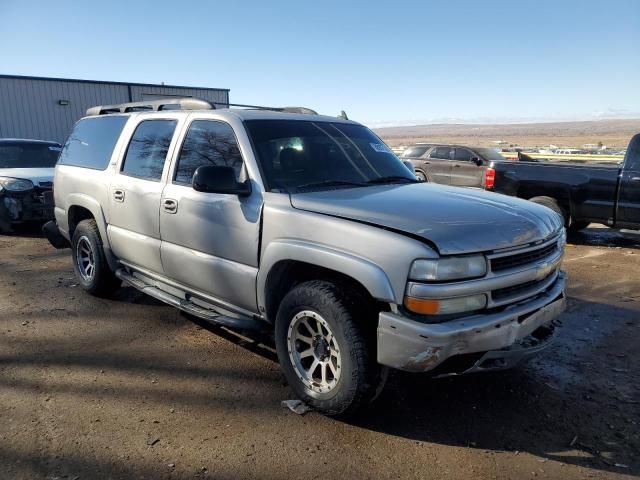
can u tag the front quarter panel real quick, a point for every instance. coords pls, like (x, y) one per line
(379, 259)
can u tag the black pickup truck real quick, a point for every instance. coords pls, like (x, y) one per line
(581, 192)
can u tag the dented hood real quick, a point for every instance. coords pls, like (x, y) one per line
(456, 220)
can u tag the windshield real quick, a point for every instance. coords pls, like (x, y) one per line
(28, 155)
(490, 154)
(297, 155)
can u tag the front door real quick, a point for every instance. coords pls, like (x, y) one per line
(629, 196)
(134, 229)
(464, 171)
(210, 241)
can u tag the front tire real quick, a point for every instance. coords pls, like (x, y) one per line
(89, 262)
(323, 349)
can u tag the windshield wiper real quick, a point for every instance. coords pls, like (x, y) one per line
(392, 179)
(331, 183)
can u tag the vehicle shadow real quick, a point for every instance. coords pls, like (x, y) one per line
(27, 230)
(604, 237)
(560, 407)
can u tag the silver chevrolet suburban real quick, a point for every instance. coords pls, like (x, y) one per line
(308, 224)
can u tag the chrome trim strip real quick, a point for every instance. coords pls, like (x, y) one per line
(529, 292)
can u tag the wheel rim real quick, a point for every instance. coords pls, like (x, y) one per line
(314, 352)
(85, 260)
(421, 176)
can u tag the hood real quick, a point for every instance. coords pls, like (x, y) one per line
(456, 220)
(36, 175)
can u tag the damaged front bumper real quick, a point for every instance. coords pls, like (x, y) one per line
(23, 207)
(481, 342)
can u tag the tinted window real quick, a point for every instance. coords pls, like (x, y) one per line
(91, 142)
(148, 149)
(305, 155)
(462, 154)
(440, 152)
(490, 154)
(415, 151)
(28, 155)
(208, 143)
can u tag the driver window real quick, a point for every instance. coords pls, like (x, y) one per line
(208, 142)
(462, 154)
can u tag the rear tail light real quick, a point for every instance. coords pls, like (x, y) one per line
(489, 178)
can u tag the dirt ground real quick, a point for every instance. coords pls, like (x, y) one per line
(130, 388)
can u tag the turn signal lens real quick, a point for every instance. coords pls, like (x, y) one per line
(445, 306)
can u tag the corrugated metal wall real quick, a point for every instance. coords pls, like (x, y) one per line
(30, 108)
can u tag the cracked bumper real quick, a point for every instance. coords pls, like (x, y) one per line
(501, 340)
(34, 206)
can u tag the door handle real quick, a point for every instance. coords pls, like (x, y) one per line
(169, 205)
(118, 195)
(456, 165)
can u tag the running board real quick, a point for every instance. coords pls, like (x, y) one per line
(187, 306)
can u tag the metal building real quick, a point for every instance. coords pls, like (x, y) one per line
(46, 108)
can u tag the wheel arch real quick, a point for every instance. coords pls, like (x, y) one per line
(82, 207)
(285, 265)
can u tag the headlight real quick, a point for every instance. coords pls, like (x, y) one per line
(15, 184)
(451, 268)
(445, 306)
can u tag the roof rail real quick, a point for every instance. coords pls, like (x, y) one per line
(153, 105)
(184, 104)
(305, 110)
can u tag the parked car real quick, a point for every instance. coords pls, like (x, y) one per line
(580, 192)
(309, 225)
(458, 165)
(26, 180)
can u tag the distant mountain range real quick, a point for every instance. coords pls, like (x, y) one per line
(611, 132)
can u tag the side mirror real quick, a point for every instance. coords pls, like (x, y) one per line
(476, 160)
(219, 179)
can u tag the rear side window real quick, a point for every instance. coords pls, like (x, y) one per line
(414, 152)
(208, 142)
(148, 149)
(91, 142)
(440, 152)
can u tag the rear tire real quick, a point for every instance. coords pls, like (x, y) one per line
(552, 203)
(89, 262)
(323, 349)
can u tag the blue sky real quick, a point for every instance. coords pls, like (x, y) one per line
(396, 62)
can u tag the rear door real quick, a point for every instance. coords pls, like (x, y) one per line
(134, 228)
(439, 164)
(464, 172)
(628, 213)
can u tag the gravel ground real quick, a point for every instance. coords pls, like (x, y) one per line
(130, 388)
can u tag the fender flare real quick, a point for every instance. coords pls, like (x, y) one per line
(91, 204)
(367, 273)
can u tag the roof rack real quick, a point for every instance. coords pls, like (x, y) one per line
(185, 104)
(153, 105)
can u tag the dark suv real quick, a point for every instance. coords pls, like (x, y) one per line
(458, 165)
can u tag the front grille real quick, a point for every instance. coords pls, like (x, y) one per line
(519, 259)
(515, 290)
